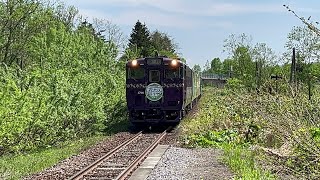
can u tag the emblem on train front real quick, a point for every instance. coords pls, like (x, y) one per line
(154, 92)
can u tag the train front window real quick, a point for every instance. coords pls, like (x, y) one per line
(171, 73)
(154, 76)
(136, 73)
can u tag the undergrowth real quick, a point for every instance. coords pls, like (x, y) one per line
(273, 132)
(18, 166)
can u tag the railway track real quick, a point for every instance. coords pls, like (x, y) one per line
(121, 161)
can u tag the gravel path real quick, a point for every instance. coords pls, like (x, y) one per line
(176, 163)
(181, 163)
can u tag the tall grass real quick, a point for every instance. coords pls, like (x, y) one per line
(282, 131)
(17, 166)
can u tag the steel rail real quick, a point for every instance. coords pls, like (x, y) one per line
(92, 166)
(124, 174)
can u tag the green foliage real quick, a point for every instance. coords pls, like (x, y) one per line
(234, 83)
(282, 132)
(315, 133)
(140, 39)
(215, 66)
(227, 66)
(244, 68)
(215, 138)
(305, 42)
(264, 59)
(242, 161)
(143, 44)
(253, 65)
(129, 54)
(222, 115)
(162, 42)
(196, 68)
(236, 155)
(170, 55)
(19, 166)
(66, 86)
(224, 120)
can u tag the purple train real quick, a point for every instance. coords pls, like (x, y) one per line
(160, 90)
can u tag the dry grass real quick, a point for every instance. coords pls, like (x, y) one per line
(284, 130)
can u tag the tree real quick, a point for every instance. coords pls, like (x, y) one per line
(227, 66)
(306, 44)
(241, 54)
(206, 67)
(183, 59)
(162, 42)
(306, 40)
(196, 68)
(264, 58)
(16, 30)
(110, 32)
(129, 54)
(164, 45)
(216, 66)
(307, 22)
(67, 15)
(244, 65)
(235, 41)
(140, 39)
(53, 74)
(142, 45)
(243, 68)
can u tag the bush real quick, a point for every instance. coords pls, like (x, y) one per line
(234, 83)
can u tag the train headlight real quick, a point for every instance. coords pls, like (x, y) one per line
(174, 62)
(134, 62)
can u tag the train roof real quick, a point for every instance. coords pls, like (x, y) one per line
(164, 58)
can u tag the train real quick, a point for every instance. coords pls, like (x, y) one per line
(160, 90)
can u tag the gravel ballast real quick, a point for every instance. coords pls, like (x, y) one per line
(175, 163)
(181, 163)
(68, 167)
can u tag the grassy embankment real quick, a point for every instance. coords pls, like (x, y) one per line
(18, 166)
(60, 81)
(263, 136)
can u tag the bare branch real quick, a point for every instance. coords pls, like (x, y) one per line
(309, 24)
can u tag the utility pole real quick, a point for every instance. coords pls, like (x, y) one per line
(293, 66)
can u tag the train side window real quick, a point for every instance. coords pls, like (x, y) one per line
(136, 73)
(181, 72)
(154, 76)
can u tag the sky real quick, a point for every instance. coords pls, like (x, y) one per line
(199, 27)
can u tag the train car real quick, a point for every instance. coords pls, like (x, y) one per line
(160, 90)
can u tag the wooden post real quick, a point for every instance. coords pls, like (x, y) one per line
(276, 77)
(230, 71)
(309, 81)
(257, 74)
(293, 66)
(309, 87)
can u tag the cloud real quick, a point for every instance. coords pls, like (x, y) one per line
(308, 10)
(153, 18)
(172, 13)
(211, 8)
(148, 17)
(191, 7)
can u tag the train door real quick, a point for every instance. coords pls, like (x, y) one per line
(154, 76)
(154, 89)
